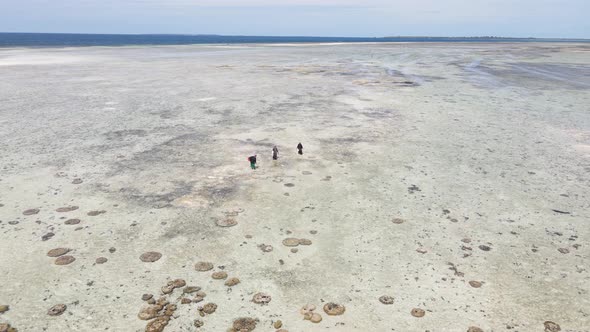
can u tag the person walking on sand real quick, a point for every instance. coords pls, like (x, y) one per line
(275, 153)
(252, 160)
(300, 148)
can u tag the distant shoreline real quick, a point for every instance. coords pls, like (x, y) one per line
(14, 39)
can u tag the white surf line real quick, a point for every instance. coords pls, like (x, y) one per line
(207, 99)
(549, 74)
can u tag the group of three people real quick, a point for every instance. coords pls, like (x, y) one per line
(275, 155)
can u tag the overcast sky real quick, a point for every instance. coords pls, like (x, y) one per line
(510, 18)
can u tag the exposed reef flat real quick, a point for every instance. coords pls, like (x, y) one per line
(442, 187)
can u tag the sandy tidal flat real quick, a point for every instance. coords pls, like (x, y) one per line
(443, 187)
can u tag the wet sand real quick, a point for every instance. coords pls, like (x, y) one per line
(452, 178)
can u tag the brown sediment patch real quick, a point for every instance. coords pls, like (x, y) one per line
(67, 209)
(72, 221)
(474, 329)
(203, 266)
(56, 252)
(219, 275)
(334, 309)
(150, 256)
(31, 212)
(418, 312)
(64, 260)
(57, 310)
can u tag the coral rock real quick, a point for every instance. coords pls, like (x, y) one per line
(474, 329)
(67, 209)
(177, 283)
(58, 252)
(167, 289)
(315, 318)
(64, 260)
(334, 309)
(475, 284)
(72, 222)
(228, 222)
(203, 266)
(57, 310)
(291, 242)
(551, 327)
(96, 213)
(150, 256)
(191, 289)
(149, 312)
(244, 324)
(219, 275)
(278, 324)
(158, 324)
(386, 299)
(101, 260)
(209, 308)
(304, 242)
(418, 312)
(265, 247)
(232, 282)
(30, 212)
(261, 298)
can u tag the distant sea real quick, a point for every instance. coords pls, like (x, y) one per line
(68, 39)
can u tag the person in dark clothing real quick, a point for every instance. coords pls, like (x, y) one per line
(252, 160)
(275, 153)
(300, 148)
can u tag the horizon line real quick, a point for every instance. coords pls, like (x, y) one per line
(284, 36)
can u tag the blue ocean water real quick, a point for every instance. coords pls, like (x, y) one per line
(67, 39)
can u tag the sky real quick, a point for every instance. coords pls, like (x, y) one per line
(350, 18)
